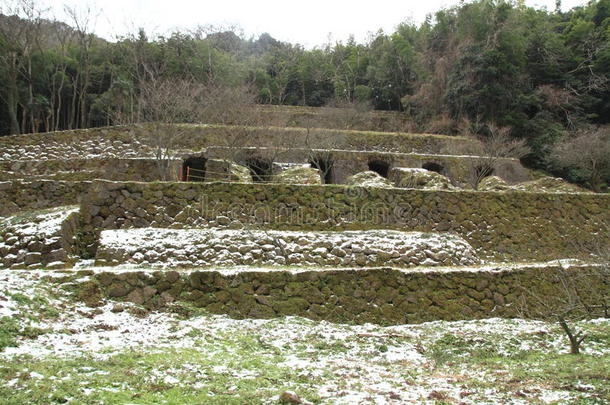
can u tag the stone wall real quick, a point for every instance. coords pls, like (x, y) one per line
(118, 169)
(112, 142)
(515, 226)
(20, 195)
(189, 248)
(198, 137)
(327, 117)
(385, 296)
(133, 141)
(38, 239)
(346, 163)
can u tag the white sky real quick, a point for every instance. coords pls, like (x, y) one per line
(308, 22)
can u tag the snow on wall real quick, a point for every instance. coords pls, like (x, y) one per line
(515, 226)
(39, 238)
(377, 295)
(198, 248)
(20, 195)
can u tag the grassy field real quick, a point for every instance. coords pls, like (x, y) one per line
(55, 350)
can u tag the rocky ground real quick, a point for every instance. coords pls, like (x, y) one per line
(54, 349)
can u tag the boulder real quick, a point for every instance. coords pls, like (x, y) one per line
(298, 175)
(406, 177)
(493, 183)
(239, 173)
(549, 185)
(368, 179)
(226, 170)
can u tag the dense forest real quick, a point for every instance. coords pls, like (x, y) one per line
(544, 74)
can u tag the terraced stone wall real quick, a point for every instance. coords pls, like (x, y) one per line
(20, 195)
(119, 169)
(131, 141)
(327, 117)
(516, 225)
(197, 137)
(347, 163)
(384, 296)
(197, 248)
(112, 142)
(34, 239)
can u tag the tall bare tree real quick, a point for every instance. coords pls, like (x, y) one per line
(83, 20)
(492, 144)
(20, 30)
(588, 153)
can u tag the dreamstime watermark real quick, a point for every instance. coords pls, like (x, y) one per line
(330, 210)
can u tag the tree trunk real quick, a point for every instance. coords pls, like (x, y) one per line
(575, 338)
(12, 97)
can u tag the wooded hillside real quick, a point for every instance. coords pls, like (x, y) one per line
(544, 74)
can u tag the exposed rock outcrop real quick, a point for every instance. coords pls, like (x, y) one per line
(405, 177)
(368, 179)
(493, 183)
(298, 175)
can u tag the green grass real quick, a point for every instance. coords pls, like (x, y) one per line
(193, 377)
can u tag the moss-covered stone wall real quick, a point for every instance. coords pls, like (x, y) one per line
(118, 169)
(133, 141)
(35, 239)
(515, 226)
(385, 296)
(345, 163)
(20, 195)
(327, 117)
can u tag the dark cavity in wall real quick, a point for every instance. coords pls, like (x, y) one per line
(380, 167)
(325, 165)
(433, 167)
(260, 169)
(193, 169)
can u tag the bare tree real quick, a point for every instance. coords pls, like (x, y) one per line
(166, 105)
(83, 21)
(341, 114)
(587, 152)
(320, 149)
(580, 293)
(18, 41)
(492, 144)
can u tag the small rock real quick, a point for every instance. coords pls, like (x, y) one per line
(222, 220)
(289, 397)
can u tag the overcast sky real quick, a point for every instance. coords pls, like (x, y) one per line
(308, 22)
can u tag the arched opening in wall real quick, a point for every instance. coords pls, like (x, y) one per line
(483, 171)
(193, 169)
(380, 167)
(433, 167)
(261, 169)
(325, 165)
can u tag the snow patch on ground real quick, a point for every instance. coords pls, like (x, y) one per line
(367, 364)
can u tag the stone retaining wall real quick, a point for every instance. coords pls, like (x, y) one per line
(518, 226)
(385, 296)
(117, 169)
(187, 248)
(131, 141)
(20, 195)
(36, 239)
(112, 142)
(346, 163)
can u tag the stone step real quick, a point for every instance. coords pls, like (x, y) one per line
(188, 248)
(378, 295)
